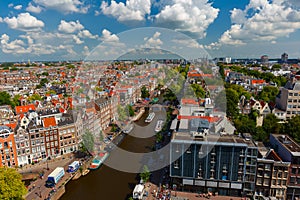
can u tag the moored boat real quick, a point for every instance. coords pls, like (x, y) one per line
(150, 117)
(159, 125)
(98, 160)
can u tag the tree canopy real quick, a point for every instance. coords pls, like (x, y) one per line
(268, 94)
(5, 98)
(11, 184)
(88, 141)
(145, 175)
(144, 92)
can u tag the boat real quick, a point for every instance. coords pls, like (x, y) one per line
(85, 172)
(98, 160)
(159, 125)
(150, 117)
(138, 191)
(128, 128)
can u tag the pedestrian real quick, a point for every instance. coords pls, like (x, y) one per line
(33, 186)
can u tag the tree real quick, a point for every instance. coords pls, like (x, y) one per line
(88, 141)
(292, 127)
(232, 101)
(34, 97)
(268, 94)
(5, 98)
(130, 110)
(145, 175)
(16, 100)
(145, 92)
(11, 183)
(159, 137)
(121, 113)
(199, 91)
(271, 124)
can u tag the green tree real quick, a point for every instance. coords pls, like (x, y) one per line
(11, 183)
(145, 92)
(199, 91)
(130, 110)
(34, 97)
(5, 98)
(88, 141)
(244, 124)
(271, 124)
(292, 127)
(145, 175)
(16, 100)
(232, 98)
(159, 137)
(260, 134)
(268, 94)
(122, 113)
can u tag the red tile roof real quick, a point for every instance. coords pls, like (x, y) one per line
(12, 125)
(50, 121)
(209, 119)
(24, 109)
(260, 81)
(189, 101)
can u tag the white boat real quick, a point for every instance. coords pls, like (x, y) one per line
(159, 125)
(138, 191)
(128, 128)
(150, 117)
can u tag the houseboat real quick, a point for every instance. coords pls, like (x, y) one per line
(98, 160)
(150, 117)
(159, 125)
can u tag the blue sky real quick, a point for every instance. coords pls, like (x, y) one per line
(71, 29)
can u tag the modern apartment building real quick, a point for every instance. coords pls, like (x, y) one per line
(289, 151)
(289, 98)
(225, 165)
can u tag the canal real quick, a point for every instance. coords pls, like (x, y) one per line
(111, 184)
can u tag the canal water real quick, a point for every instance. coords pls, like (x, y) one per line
(107, 183)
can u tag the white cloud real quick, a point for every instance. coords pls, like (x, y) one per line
(10, 5)
(15, 47)
(18, 7)
(34, 9)
(64, 6)
(87, 34)
(24, 22)
(261, 20)
(77, 39)
(107, 36)
(153, 42)
(86, 51)
(70, 27)
(190, 16)
(1, 20)
(131, 10)
(187, 43)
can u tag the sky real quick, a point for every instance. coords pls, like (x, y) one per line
(60, 30)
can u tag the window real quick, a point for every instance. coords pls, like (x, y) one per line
(292, 179)
(176, 164)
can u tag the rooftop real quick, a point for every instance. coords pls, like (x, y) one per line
(288, 143)
(212, 138)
